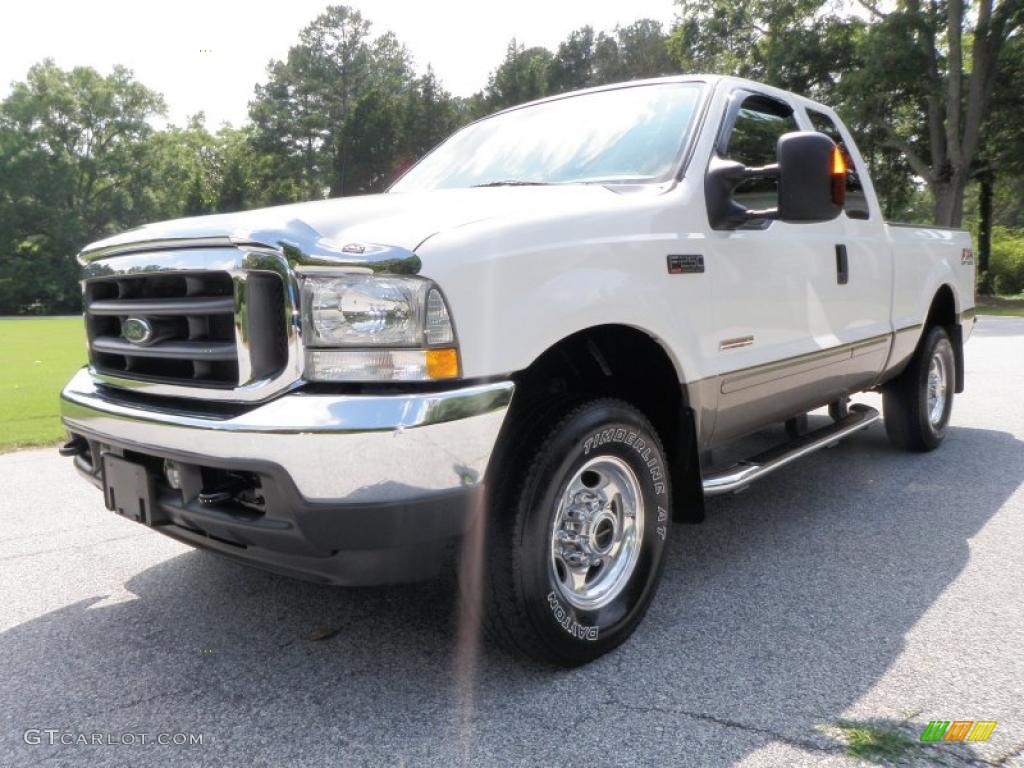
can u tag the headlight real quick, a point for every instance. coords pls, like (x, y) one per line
(376, 328)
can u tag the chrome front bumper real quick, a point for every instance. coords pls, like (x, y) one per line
(343, 449)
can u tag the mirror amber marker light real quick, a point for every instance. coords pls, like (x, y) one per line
(838, 176)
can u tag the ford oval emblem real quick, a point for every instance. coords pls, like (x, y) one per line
(137, 330)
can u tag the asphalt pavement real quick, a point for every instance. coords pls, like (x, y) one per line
(857, 594)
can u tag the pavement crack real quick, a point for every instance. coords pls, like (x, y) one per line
(734, 724)
(43, 534)
(138, 701)
(71, 548)
(45, 759)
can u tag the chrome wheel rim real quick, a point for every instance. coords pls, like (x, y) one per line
(597, 533)
(936, 390)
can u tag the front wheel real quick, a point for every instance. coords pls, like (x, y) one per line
(576, 542)
(919, 401)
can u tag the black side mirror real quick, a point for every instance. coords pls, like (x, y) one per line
(812, 177)
(722, 178)
(811, 172)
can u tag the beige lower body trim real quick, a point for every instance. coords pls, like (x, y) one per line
(904, 343)
(736, 403)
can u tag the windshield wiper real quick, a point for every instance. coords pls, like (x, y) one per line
(514, 183)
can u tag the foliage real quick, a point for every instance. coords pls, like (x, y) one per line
(522, 76)
(928, 84)
(1007, 261)
(795, 45)
(584, 59)
(881, 743)
(71, 151)
(333, 113)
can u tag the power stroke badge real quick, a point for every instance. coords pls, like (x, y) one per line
(685, 264)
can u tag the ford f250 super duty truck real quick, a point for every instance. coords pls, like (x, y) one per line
(525, 354)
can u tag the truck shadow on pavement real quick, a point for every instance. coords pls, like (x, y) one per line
(774, 616)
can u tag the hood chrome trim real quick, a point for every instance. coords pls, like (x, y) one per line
(299, 243)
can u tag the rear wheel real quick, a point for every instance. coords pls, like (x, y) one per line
(919, 401)
(576, 541)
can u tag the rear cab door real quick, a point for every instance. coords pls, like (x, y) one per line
(859, 299)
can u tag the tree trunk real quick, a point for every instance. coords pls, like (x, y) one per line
(949, 201)
(340, 168)
(985, 232)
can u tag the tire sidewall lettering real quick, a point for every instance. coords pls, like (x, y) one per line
(643, 449)
(568, 622)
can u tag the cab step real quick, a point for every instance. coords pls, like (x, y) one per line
(740, 475)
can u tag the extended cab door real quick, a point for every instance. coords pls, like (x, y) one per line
(788, 332)
(859, 300)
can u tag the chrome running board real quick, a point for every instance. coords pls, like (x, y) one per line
(740, 475)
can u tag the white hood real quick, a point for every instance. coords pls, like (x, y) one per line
(402, 220)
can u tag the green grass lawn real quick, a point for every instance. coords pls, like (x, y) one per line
(39, 355)
(1001, 305)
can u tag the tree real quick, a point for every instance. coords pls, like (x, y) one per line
(1000, 164)
(572, 66)
(429, 115)
(643, 50)
(371, 140)
(176, 177)
(301, 113)
(739, 37)
(633, 52)
(928, 83)
(388, 132)
(236, 188)
(521, 77)
(71, 147)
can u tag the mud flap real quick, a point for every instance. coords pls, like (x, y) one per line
(687, 488)
(956, 338)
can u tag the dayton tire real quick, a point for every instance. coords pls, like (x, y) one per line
(576, 547)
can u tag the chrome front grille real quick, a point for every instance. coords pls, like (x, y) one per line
(188, 328)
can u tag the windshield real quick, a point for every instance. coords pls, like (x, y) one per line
(626, 134)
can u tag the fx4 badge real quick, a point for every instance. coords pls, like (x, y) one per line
(684, 264)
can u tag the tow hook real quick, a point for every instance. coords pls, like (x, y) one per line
(76, 446)
(224, 492)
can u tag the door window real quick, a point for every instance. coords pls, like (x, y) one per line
(856, 201)
(752, 141)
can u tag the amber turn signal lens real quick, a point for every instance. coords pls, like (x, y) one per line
(838, 162)
(838, 177)
(442, 363)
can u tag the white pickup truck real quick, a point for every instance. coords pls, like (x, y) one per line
(522, 355)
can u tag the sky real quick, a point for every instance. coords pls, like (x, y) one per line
(207, 56)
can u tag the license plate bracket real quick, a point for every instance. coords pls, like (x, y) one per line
(130, 491)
